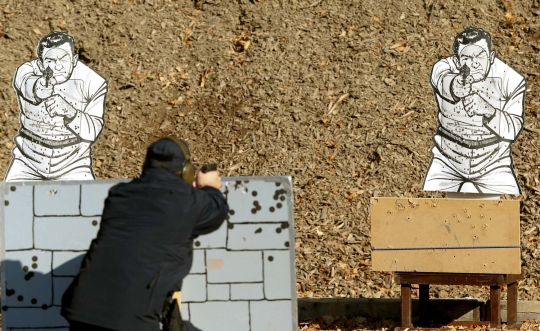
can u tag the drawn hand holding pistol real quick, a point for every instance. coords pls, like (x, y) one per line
(54, 103)
(474, 104)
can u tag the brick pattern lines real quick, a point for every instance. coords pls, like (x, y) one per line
(240, 273)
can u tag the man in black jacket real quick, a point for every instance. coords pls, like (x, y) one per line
(144, 247)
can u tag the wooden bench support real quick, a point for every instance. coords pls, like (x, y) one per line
(512, 304)
(495, 306)
(494, 281)
(406, 306)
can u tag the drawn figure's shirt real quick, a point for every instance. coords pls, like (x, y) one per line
(476, 144)
(57, 145)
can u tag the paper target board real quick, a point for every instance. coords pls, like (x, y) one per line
(481, 102)
(62, 104)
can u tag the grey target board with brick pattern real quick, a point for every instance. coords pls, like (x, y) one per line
(242, 278)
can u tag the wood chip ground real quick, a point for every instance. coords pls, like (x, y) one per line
(334, 93)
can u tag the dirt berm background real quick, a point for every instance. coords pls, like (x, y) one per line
(334, 93)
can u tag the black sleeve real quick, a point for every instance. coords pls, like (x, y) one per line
(213, 211)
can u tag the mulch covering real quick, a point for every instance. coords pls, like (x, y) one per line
(334, 93)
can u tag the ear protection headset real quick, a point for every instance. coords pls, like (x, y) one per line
(188, 169)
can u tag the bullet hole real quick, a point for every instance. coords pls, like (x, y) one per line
(10, 292)
(254, 193)
(94, 223)
(259, 230)
(282, 198)
(34, 265)
(34, 301)
(231, 211)
(20, 298)
(13, 189)
(4, 308)
(34, 258)
(278, 230)
(287, 244)
(6, 203)
(279, 205)
(197, 243)
(230, 226)
(25, 268)
(44, 307)
(29, 276)
(275, 197)
(278, 184)
(270, 258)
(285, 225)
(257, 207)
(53, 192)
(272, 209)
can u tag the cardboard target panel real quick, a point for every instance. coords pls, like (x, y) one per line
(445, 235)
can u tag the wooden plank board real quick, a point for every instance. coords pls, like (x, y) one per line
(437, 278)
(485, 261)
(401, 222)
(525, 310)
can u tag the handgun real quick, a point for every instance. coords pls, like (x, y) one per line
(464, 72)
(48, 75)
(208, 167)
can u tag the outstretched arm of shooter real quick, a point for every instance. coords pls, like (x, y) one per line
(208, 180)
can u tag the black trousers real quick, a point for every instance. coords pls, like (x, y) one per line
(77, 326)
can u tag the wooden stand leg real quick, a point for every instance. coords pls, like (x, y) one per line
(495, 298)
(512, 303)
(424, 304)
(406, 306)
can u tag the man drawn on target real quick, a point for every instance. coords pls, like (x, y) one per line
(480, 114)
(61, 104)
